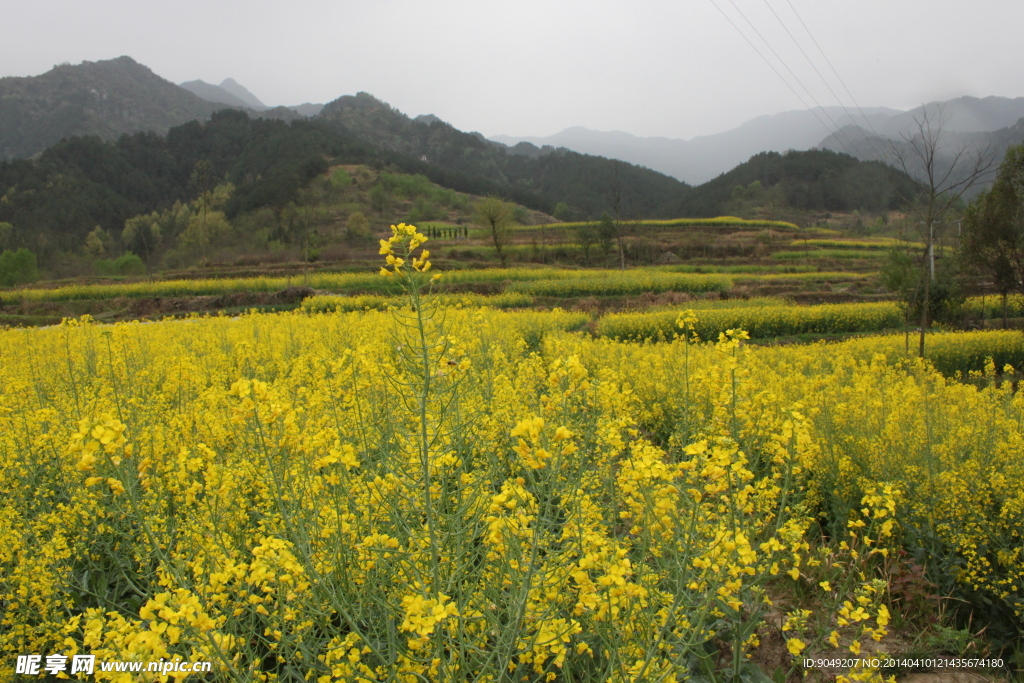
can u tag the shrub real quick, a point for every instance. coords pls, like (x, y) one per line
(126, 264)
(18, 267)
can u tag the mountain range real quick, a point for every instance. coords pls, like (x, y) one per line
(865, 134)
(113, 97)
(234, 94)
(54, 200)
(110, 98)
(106, 98)
(229, 92)
(98, 143)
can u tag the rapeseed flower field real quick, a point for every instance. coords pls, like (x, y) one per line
(438, 493)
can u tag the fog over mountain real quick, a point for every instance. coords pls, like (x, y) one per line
(859, 133)
(106, 98)
(235, 88)
(214, 93)
(113, 97)
(234, 94)
(307, 108)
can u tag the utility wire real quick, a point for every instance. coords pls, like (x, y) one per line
(816, 70)
(829, 62)
(840, 136)
(770, 65)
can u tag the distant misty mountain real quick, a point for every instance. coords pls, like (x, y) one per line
(964, 115)
(216, 94)
(990, 144)
(232, 87)
(109, 98)
(233, 94)
(307, 109)
(106, 98)
(578, 167)
(986, 126)
(701, 158)
(229, 92)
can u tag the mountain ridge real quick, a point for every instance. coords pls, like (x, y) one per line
(110, 98)
(237, 90)
(580, 180)
(113, 97)
(701, 158)
(213, 93)
(106, 98)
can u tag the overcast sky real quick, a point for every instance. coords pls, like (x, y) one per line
(674, 68)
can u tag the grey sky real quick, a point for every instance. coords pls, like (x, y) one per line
(648, 67)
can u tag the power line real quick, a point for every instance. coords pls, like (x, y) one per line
(770, 65)
(839, 134)
(834, 71)
(813, 65)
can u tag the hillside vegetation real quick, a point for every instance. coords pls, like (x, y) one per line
(80, 183)
(587, 184)
(240, 191)
(106, 98)
(815, 180)
(114, 97)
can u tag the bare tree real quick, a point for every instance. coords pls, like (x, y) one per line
(942, 177)
(497, 217)
(614, 193)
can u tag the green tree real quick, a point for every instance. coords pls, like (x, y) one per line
(126, 264)
(357, 228)
(562, 212)
(98, 242)
(381, 198)
(993, 239)
(586, 237)
(307, 217)
(18, 267)
(424, 210)
(901, 275)
(205, 228)
(520, 215)
(497, 217)
(207, 224)
(202, 179)
(201, 226)
(142, 235)
(607, 233)
(341, 180)
(6, 235)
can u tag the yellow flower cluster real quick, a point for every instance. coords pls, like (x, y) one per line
(282, 493)
(760, 322)
(530, 447)
(408, 240)
(625, 282)
(423, 614)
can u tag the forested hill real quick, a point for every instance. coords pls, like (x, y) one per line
(79, 183)
(108, 98)
(55, 200)
(587, 184)
(120, 96)
(815, 180)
